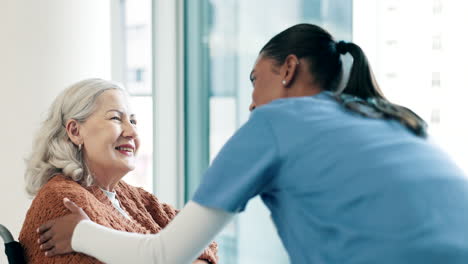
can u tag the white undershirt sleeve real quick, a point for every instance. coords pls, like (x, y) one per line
(181, 242)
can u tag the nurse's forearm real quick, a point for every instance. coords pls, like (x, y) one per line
(182, 241)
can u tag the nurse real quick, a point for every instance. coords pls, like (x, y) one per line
(348, 176)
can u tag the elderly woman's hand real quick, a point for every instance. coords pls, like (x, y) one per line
(55, 235)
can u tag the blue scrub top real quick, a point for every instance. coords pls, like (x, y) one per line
(343, 188)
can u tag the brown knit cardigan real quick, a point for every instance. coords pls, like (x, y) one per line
(148, 216)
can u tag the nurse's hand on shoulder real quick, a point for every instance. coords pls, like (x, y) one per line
(55, 235)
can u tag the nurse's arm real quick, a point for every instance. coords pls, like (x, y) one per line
(182, 241)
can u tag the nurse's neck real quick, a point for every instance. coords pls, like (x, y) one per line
(302, 84)
(299, 89)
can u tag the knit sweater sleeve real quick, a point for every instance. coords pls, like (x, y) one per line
(48, 205)
(163, 213)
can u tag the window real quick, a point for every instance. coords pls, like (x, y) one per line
(437, 42)
(437, 7)
(436, 79)
(136, 56)
(435, 116)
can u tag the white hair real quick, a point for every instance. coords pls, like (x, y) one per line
(53, 152)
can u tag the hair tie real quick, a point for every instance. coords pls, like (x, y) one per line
(341, 47)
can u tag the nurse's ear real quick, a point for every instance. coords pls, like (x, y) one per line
(289, 70)
(252, 107)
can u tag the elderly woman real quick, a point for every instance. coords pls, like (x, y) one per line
(85, 146)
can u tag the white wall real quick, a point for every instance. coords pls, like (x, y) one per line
(45, 46)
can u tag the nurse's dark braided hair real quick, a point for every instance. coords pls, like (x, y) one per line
(361, 94)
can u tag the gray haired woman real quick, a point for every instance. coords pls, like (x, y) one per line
(87, 144)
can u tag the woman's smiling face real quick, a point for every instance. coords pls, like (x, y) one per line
(110, 138)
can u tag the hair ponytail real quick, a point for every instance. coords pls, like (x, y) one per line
(363, 95)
